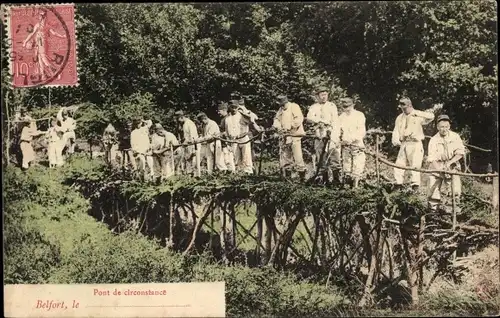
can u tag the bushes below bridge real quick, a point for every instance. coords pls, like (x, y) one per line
(50, 238)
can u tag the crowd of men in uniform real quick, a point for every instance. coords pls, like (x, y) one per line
(338, 146)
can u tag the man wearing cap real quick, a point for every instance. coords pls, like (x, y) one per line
(237, 128)
(141, 146)
(325, 118)
(445, 150)
(288, 120)
(227, 150)
(20, 118)
(352, 131)
(161, 140)
(408, 134)
(110, 142)
(212, 151)
(68, 124)
(189, 134)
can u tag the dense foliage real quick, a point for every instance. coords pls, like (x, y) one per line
(178, 56)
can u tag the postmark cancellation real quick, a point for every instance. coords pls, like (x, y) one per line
(42, 45)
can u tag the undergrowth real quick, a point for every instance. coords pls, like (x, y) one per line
(49, 237)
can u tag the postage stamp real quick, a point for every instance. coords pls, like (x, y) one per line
(42, 44)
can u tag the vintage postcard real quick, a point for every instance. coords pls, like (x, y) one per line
(310, 159)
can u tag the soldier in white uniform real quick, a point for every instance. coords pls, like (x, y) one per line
(289, 120)
(325, 118)
(141, 146)
(227, 149)
(408, 134)
(237, 128)
(68, 125)
(110, 142)
(445, 150)
(352, 132)
(213, 150)
(190, 134)
(161, 140)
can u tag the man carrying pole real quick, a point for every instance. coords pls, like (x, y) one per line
(212, 150)
(288, 120)
(227, 149)
(324, 116)
(352, 132)
(408, 134)
(162, 143)
(189, 134)
(237, 128)
(445, 150)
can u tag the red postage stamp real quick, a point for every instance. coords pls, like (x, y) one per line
(42, 45)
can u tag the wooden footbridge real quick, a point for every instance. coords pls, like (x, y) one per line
(370, 233)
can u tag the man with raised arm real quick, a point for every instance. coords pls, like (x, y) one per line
(408, 135)
(352, 131)
(141, 146)
(324, 116)
(445, 150)
(289, 120)
(227, 149)
(212, 150)
(68, 124)
(110, 142)
(237, 128)
(189, 134)
(161, 142)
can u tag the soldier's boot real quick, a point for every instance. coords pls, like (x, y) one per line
(336, 177)
(325, 178)
(356, 182)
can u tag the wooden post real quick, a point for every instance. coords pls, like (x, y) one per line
(171, 222)
(198, 167)
(259, 234)
(7, 141)
(377, 162)
(494, 199)
(454, 211)
(50, 104)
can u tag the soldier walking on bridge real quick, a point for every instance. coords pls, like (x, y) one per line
(445, 150)
(189, 134)
(325, 118)
(68, 125)
(212, 150)
(288, 120)
(227, 149)
(110, 142)
(237, 128)
(352, 131)
(161, 140)
(141, 146)
(408, 134)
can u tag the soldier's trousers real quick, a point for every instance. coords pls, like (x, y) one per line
(440, 190)
(291, 155)
(331, 157)
(353, 161)
(411, 154)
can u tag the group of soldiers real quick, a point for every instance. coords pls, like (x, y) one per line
(60, 137)
(227, 146)
(338, 142)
